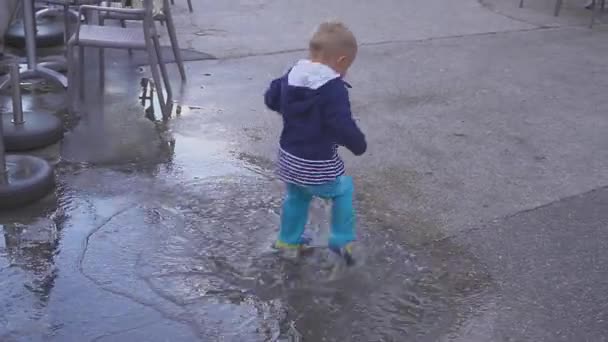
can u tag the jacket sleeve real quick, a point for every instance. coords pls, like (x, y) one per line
(272, 97)
(338, 118)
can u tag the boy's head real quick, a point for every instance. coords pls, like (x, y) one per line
(334, 45)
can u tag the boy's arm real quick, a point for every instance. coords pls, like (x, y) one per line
(338, 118)
(272, 97)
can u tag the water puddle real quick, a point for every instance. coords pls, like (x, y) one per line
(178, 229)
(205, 252)
(193, 246)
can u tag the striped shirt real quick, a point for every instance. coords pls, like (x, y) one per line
(295, 170)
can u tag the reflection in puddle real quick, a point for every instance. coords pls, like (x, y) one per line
(193, 243)
(31, 248)
(211, 259)
(178, 223)
(149, 101)
(28, 271)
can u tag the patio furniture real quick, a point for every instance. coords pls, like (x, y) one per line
(110, 37)
(189, 5)
(34, 69)
(556, 11)
(33, 130)
(64, 8)
(161, 13)
(596, 8)
(49, 33)
(23, 178)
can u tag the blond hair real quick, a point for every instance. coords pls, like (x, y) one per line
(332, 37)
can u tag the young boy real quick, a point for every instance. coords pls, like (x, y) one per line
(313, 100)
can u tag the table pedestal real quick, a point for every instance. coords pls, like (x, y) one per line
(34, 69)
(30, 130)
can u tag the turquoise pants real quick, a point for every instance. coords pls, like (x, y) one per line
(297, 202)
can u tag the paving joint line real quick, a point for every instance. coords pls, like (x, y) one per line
(517, 213)
(401, 41)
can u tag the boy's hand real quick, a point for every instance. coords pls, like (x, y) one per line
(272, 97)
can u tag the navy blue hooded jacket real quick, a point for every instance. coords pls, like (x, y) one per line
(313, 100)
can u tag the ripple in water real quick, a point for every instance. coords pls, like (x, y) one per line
(216, 259)
(200, 253)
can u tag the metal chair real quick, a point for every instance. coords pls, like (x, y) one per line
(556, 11)
(161, 14)
(597, 6)
(65, 8)
(110, 37)
(189, 5)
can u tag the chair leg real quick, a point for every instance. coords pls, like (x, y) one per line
(165, 75)
(521, 3)
(190, 6)
(163, 68)
(558, 7)
(71, 79)
(598, 6)
(17, 11)
(102, 68)
(123, 24)
(153, 58)
(66, 23)
(81, 72)
(175, 46)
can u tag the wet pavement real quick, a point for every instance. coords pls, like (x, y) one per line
(481, 200)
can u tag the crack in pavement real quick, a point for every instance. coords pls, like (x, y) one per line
(85, 246)
(85, 243)
(122, 331)
(400, 41)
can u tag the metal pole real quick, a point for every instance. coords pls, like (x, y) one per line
(3, 170)
(16, 91)
(558, 7)
(29, 26)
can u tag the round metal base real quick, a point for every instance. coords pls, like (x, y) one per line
(28, 180)
(49, 33)
(39, 130)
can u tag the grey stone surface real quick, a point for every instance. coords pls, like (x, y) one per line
(483, 121)
(239, 28)
(550, 268)
(461, 130)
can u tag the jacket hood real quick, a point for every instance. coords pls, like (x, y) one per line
(307, 74)
(301, 84)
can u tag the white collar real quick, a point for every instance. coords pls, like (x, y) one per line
(311, 75)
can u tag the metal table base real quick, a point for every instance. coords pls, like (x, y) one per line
(35, 70)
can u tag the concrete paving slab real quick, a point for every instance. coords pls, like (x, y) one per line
(549, 265)
(461, 130)
(541, 12)
(238, 28)
(473, 112)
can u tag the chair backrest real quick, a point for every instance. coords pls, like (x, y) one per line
(154, 6)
